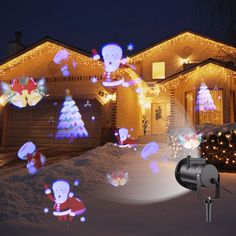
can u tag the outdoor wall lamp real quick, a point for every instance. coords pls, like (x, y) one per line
(195, 174)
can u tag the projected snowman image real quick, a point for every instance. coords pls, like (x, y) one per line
(112, 56)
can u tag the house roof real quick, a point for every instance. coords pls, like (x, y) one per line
(178, 34)
(201, 64)
(42, 41)
(80, 51)
(86, 53)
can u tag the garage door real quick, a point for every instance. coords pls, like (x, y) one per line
(39, 124)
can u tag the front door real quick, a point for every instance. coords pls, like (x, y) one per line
(160, 112)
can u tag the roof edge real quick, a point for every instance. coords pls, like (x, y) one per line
(201, 64)
(178, 34)
(41, 41)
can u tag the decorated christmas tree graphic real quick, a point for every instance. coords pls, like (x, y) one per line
(70, 124)
(204, 99)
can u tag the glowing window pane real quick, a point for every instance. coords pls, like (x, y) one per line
(213, 116)
(158, 70)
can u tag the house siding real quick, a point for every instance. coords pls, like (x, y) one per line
(186, 46)
(129, 113)
(213, 76)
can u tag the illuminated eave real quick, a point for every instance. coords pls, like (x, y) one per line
(51, 48)
(199, 72)
(177, 39)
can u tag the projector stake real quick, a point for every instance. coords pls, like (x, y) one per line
(195, 174)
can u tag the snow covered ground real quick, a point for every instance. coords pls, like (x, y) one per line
(149, 204)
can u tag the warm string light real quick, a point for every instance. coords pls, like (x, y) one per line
(202, 42)
(181, 148)
(51, 48)
(202, 73)
(223, 153)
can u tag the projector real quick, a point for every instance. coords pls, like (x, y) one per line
(195, 174)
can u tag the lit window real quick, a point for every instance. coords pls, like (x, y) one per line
(158, 70)
(213, 116)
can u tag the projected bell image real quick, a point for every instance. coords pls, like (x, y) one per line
(117, 178)
(23, 92)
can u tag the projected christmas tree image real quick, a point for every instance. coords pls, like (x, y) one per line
(70, 124)
(204, 99)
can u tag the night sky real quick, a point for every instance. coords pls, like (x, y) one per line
(90, 24)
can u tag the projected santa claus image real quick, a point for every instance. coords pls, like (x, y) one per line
(66, 206)
(118, 118)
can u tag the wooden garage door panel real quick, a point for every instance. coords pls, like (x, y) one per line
(19, 132)
(18, 115)
(78, 142)
(39, 124)
(18, 123)
(89, 128)
(38, 131)
(41, 115)
(41, 141)
(16, 141)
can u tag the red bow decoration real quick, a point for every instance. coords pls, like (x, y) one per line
(18, 87)
(30, 86)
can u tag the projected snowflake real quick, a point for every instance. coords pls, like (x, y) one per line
(76, 182)
(130, 47)
(94, 80)
(45, 210)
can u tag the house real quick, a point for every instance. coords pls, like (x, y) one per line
(172, 72)
(76, 71)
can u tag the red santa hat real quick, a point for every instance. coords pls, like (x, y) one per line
(30, 86)
(96, 56)
(17, 86)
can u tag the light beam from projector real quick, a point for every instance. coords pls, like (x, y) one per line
(144, 187)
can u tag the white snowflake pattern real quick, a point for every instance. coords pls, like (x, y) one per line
(76, 182)
(45, 210)
(94, 80)
(138, 90)
(130, 47)
(82, 219)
